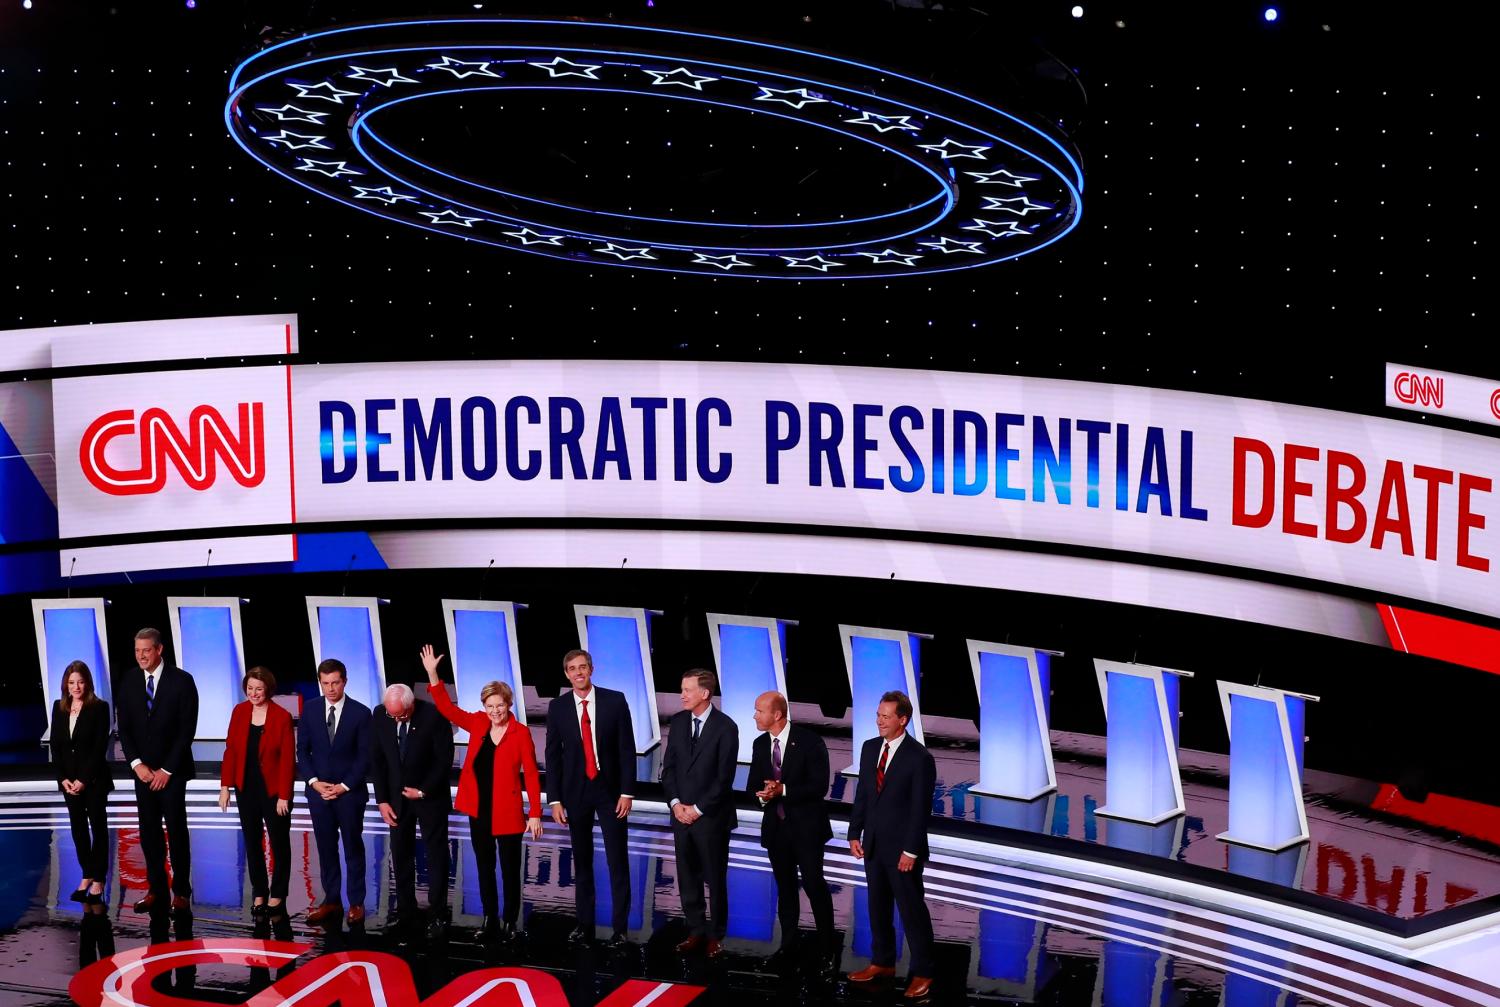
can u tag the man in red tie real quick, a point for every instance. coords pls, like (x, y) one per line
(888, 831)
(590, 774)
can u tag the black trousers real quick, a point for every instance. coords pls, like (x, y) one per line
(789, 858)
(88, 815)
(258, 818)
(703, 857)
(433, 817)
(890, 888)
(598, 804)
(509, 847)
(168, 807)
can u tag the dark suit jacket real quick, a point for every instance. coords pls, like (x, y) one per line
(429, 757)
(84, 755)
(615, 755)
(346, 759)
(702, 774)
(164, 739)
(894, 820)
(804, 774)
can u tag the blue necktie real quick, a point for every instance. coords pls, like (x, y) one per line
(150, 692)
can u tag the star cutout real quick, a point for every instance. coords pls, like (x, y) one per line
(289, 140)
(950, 149)
(884, 123)
(560, 67)
(383, 194)
(450, 216)
(948, 246)
(391, 76)
(997, 203)
(803, 97)
(890, 257)
(1000, 177)
(529, 237)
(330, 91)
(817, 262)
(455, 67)
(283, 114)
(724, 262)
(682, 75)
(1006, 228)
(323, 167)
(624, 254)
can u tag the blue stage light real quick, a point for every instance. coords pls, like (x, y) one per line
(1271, 14)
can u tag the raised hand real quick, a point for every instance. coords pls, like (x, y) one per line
(430, 660)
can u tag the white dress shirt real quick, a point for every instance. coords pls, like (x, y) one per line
(156, 674)
(338, 717)
(785, 740)
(702, 719)
(578, 702)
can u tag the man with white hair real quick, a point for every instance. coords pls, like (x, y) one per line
(411, 754)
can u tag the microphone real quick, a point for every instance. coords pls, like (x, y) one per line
(345, 591)
(70, 575)
(484, 576)
(208, 560)
(623, 561)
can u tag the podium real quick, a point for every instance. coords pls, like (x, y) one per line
(1142, 782)
(620, 641)
(750, 655)
(1266, 734)
(482, 641)
(68, 630)
(349, 629)
(879, 661)
(1015, 747)
(209, 641)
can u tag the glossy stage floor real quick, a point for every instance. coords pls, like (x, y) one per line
(1016, 924)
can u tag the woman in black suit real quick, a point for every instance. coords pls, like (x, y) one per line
(80, 742)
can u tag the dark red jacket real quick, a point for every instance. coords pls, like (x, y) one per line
(278, 753)
(514, 755)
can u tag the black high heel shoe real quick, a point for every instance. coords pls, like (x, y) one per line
(81, 895)
(94, 899)
(260, 911)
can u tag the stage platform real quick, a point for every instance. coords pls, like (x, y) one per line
(1036, 902)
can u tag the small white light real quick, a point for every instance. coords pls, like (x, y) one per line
(1077, 10)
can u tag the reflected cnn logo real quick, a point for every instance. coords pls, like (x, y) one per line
(1419, 388)
(195, 452)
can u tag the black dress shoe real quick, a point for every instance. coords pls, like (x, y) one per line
(578, 935)
(437, 931)
(505, 933)
(618, 941)
(260, 911)
(780, 960)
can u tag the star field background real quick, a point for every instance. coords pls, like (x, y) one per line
(1271, 210)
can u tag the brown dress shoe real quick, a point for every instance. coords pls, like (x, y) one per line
(145, 905)
(715, 947)
(181, 904)
(357, 914)
(690, 945)
(918, 987)
(321, 914)
(871, 972)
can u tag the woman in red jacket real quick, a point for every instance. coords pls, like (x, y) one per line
(259, 763)
(500, 751)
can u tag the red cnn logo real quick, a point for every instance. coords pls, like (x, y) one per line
(1414, 388)
(1495, 403)
(193, 453)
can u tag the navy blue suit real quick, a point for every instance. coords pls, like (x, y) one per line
(345, 759)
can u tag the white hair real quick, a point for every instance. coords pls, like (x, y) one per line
(402, 694)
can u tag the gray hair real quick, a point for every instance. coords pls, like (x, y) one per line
(403, 695)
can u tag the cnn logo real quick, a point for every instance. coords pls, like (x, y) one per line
(195, 452)
(1415, 389)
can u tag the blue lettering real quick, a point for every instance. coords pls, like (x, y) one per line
(679, 440)
(533, 466)
(332, 471)
(821, 446)
(706, 472)
(485, 409)
(1188, 510)
(1048, 464)
(375, 438)
(426, 439)
(648, 408)
(609, 445)
(913, 416)
(1092, 431)
(1122, 466)
(776, 442)
(565, 438)
(939, 451)
(863, 445)
(968, 483)
(1004, 455)
(1154, 481)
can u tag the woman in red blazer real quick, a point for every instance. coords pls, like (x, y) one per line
(500, 750)
(259, 763)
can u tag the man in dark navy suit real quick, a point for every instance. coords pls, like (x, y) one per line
(333, 753)
(789, 777)
(697, 776)
(157, 710)
(411, 754)
(888, 831)
(591, 774)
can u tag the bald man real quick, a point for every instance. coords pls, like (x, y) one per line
(789, 777)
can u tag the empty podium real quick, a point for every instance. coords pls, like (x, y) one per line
(1014, 685)
(209, 642)
(1267, 728)
(1142, 782)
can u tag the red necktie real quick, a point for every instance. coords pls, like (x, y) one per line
(590, 767)
(885, 753)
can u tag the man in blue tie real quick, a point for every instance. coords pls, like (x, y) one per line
(697, 776)
(335, 758)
